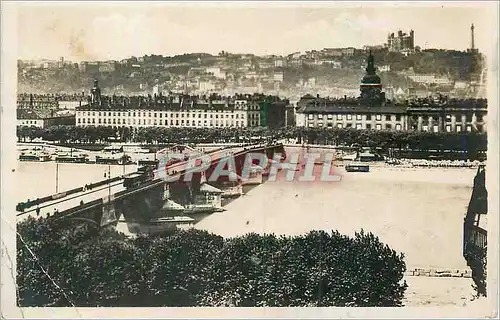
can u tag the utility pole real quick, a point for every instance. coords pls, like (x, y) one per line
(57, 177)
(109, 181)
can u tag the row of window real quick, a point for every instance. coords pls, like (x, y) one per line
(205, 116)
(160, 122)
(378, 117)
(398, 127)
(378, 126)
(151, 114)
(23, 122)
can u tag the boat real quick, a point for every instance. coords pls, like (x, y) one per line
(197, 208)
(131, 149)
(113, 158)
(357, 167)
(71, 157)
(34, 156)
(167, 221)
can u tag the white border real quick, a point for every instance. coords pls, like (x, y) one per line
(8, 161)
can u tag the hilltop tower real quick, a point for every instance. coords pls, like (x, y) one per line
(472, 37)
(371, 85)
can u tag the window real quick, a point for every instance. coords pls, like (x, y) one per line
(458, 118)
(359, 126)
(310, 124)
(469, 127)
(339, 125)
(458, 128)
(359, 117)
(435, 128)
(339, 117)
(468, 117)
(448, 118)
(320, 125)
(479, 117)
(388, 126)
(349, 125)
(368, 126)
(368, 117)
(425, 128)
(398, 127)
(387, 117)
(378, 117)
(448, 128)
(349, 117)
(379, 126)
(398, 117)
(320, 116)
(310, 117)
(329, 117)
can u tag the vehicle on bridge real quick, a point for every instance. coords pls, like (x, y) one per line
(143, 175)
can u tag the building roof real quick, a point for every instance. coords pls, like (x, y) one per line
(23, 114)
(206, 188)
(170, 205)
(353, 108)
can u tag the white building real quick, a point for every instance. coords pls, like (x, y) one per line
(220, 116)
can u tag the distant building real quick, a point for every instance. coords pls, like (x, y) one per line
(430, 79)
(401, 42)
(33, 118)
(278, 76)
(107, 67)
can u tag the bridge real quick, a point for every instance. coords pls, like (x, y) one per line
(139, 196)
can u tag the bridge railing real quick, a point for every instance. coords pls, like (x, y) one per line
(22, 206)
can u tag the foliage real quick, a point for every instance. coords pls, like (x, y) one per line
(196, 268)
(472, 142)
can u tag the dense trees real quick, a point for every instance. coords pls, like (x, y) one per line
(196, 268)
(471, 142)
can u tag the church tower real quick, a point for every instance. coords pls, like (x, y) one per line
(371, 86)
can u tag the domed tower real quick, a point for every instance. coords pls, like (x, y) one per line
(95, 94)
(371, 86)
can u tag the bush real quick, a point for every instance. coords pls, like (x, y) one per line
(196, 268)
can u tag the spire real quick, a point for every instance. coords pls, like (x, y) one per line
(370, 69)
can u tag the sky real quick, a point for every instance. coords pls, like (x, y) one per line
(113, 31)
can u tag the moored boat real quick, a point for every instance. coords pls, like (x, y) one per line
(114, 158)
(34, 156)
(357, 167)
(71, 158)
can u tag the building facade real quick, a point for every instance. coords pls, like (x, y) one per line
(401, 42)
(181, 111)
(371, 110)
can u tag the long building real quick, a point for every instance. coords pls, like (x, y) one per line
(371, 110)
(181, 111)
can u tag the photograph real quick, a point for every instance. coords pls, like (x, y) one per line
(287, 159)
